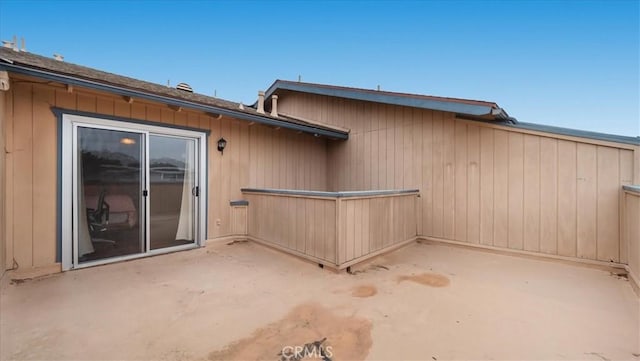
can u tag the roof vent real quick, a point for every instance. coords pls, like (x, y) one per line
(184, 87)
(11, 44)
(274, 105)
(260, 102)
(58, 57)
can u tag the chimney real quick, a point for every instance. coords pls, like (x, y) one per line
(58, 57)
(274, 105)
(23, 48)
(260, 102)
(7, 44)
(15, 43)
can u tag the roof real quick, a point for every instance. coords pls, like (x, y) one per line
(465, 108)
(67, 73)
(476, 108)
(579, 133)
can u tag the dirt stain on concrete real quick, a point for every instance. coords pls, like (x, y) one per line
(348, 337)
(364, 291)
(427, 279)
(372, 267)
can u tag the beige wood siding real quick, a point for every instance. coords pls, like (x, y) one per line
(3, 174)
(239, 220)
(301, 225)
(336, 232)
(371, 225)
(256, 156)
(482, 183)
(631, 231)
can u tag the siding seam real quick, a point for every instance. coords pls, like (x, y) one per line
(557, 188)
(575, 180)
(539, 247)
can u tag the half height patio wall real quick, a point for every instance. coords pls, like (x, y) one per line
(335, 229)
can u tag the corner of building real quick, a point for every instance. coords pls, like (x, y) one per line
(4, 88)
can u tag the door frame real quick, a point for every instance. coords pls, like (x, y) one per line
(69, 211)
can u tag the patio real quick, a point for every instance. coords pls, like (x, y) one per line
(245, 301)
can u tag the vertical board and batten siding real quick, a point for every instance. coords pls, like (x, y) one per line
(3, 177)
(256, 156)
(481, 183)
(334, 231)
(370, 225)
(631, 231)
(301, 225)
(239, 220)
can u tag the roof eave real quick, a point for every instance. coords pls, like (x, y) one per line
(123, 91)
(579, 133)
(440, 105)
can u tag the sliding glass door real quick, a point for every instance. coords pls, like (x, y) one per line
(129, 190)
(109, 186)
(172, 190)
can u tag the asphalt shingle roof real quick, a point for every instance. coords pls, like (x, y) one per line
(38, 62)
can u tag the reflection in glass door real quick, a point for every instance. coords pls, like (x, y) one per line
(109, 183)
(172, 191)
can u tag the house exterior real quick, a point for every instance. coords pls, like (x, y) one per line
(93, 160)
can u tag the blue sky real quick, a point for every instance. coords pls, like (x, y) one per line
(571, 64)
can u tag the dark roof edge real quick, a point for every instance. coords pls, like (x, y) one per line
(61, 111)
(631, 188)
(67, 79)
(578, 133)
(347, 194)
(453, 107)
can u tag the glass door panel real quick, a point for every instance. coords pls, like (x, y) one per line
(172, 191)
(109, 185)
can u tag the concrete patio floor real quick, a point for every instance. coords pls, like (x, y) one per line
(244, 301)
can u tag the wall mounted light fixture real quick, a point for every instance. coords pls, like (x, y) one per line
(222, 143)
